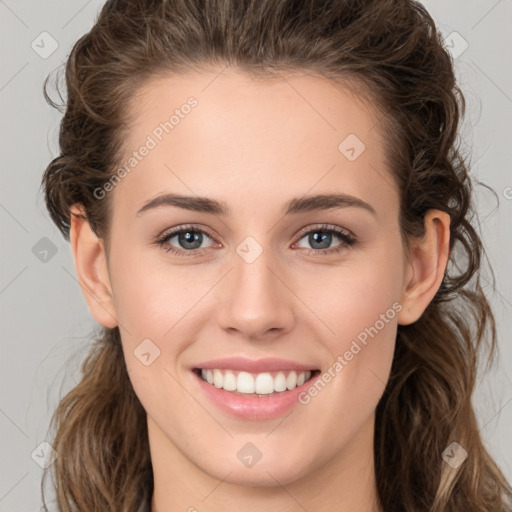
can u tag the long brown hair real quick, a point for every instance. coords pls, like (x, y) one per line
(393, 51)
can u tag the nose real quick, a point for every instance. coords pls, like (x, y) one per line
(255, 302)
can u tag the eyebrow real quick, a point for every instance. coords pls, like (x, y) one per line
(294, 206)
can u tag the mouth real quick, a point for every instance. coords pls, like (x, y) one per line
(260, 385)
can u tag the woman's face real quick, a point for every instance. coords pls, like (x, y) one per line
(263, 274)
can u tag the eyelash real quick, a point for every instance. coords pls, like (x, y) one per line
(347, 240)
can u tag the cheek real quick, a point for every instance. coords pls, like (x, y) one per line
(358, 307)
(152, 306)
(150, 299)
(350, 299)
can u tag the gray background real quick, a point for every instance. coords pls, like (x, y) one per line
(45, 322)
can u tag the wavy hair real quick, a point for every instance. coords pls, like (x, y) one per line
(388, 51)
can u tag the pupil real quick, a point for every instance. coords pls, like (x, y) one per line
(324, 237)
(187, 239)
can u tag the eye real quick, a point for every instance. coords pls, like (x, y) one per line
(321, 238)
(188, 240)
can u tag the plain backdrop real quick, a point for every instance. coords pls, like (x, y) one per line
(45, 322)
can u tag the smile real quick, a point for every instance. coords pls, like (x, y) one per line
(255, 384)
(253, 396)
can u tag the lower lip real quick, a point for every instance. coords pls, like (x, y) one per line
(253, 407)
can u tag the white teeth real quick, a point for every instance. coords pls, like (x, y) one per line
(217, 378)
(229, 382)
(261, 383)
(245, 383)
(291, 380)
(280, 382)
(264, 384)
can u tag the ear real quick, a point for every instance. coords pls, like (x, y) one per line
(426, 266)
(91, 268)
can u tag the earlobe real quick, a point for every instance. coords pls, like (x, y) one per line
(91, 268)
(428, 260)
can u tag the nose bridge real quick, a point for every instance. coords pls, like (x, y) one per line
(256, 302)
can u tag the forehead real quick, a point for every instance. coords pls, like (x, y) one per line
(223, 134)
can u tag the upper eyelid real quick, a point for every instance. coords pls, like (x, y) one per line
(179, 229)
(325, 227)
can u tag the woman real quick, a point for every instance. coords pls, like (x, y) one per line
(271, 222)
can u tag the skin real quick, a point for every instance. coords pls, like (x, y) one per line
(255, 145)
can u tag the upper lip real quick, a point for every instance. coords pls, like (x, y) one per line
(254, 366)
